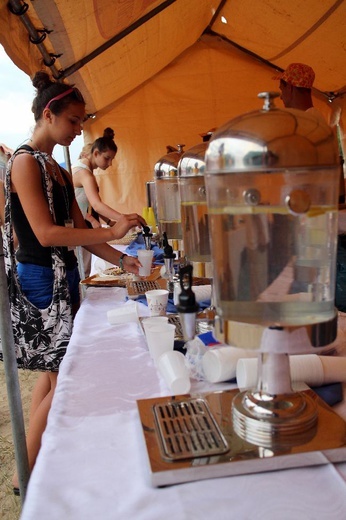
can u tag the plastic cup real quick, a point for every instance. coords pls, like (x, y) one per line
(157, 301)
(152, 321)
(172, 367)
(145, 256)
(220, 363)
(160, 339)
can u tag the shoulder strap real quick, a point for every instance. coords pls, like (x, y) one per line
(47, 184)
(24, 147)
(65, 174)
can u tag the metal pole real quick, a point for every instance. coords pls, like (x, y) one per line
(67, 158)
(12, 382)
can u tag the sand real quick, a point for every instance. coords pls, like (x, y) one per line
(10, 505)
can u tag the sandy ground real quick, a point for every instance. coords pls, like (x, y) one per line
(10, 506)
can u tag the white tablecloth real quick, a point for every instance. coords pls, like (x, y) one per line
(93, 462)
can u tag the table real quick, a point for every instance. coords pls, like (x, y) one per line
(93, 462)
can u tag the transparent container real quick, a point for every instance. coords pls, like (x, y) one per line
(272, 180)
(168, 195)
(194, 210)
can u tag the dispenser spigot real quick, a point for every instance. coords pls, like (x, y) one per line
(187, 306)
(168, 258)
(147, 237)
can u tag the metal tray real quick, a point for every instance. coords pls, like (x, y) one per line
(187, 429)
(326, 444)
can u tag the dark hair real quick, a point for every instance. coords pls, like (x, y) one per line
(47, 90)
(106, 142)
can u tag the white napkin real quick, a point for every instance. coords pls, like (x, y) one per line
(309, 368)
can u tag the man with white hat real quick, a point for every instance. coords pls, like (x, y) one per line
(295, 84)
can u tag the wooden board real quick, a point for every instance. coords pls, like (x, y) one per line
(121, 280)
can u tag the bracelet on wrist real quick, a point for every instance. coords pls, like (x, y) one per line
(121, 261)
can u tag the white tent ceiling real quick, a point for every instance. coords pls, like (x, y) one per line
(163, 72)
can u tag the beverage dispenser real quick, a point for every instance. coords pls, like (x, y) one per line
(275, 172)
(194, 211)
(168, 197)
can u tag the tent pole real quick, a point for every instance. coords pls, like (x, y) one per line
(67, 158)
(12, 382)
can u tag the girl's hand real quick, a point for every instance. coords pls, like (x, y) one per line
(125, 223)
(131, 264)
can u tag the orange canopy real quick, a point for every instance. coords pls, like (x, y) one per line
(163, 72)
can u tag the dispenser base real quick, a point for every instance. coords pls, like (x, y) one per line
(327, 442)
(283, 420)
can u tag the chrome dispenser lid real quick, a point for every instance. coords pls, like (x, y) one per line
(272, 139)
(167, 166)
(192, 162)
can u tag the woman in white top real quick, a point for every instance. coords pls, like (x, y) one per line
(100, 154)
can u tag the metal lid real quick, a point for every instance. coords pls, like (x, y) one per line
(167, 166)
(192, 162)
(272, 139)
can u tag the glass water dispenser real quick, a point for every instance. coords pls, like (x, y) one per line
(168, 197)
(272, 181)
(194, 211)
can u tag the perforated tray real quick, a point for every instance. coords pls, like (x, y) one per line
(187, 429)
(175, 320)
(139, 288)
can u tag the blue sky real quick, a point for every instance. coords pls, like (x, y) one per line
(17, 120)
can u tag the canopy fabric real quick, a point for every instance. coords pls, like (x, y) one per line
(163, 72)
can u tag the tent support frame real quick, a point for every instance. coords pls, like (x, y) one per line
(209, 32)
(12, 382)
(18, 8)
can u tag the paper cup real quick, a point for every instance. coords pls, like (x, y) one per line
(172, 368)
(157, 301)
(145, 256)
(220, 363)
(123, 314)
(149, 322)
(306, 368)
(160, 339)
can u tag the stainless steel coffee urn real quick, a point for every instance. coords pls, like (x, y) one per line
(168, 197)
(272, 181)
(194, 211)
